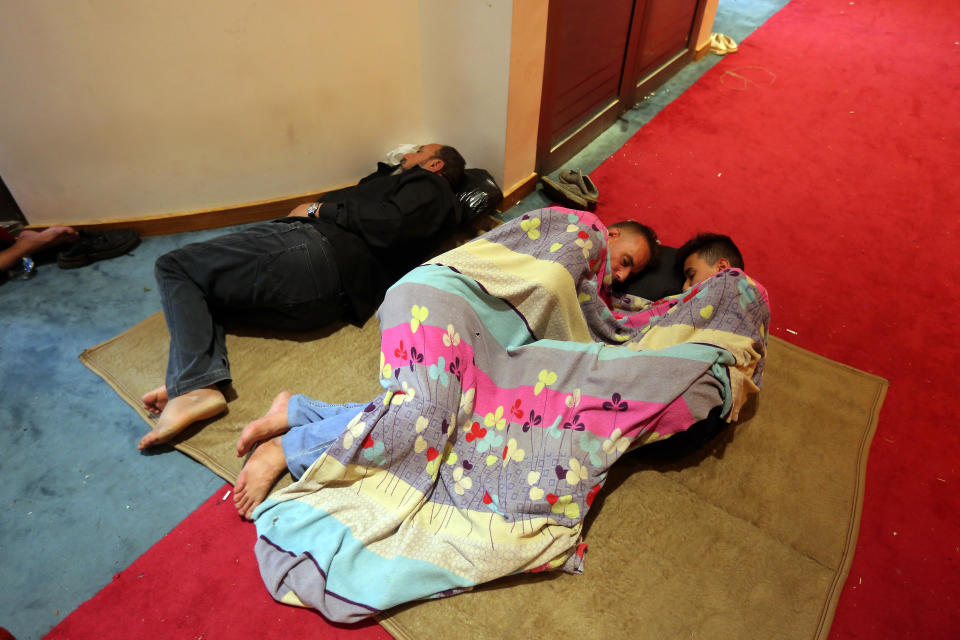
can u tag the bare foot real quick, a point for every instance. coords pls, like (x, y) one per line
(257, 477)
(182, 411)
(154, 401)
(274, 423)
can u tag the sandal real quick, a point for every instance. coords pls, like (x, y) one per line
(588, 190)
(721, 44)
(564, 192)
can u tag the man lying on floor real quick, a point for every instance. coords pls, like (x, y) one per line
(327, 261)
(513, 381)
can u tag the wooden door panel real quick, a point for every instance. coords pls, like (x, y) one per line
(587, 59)
(601, 58)
(581, 101)
(667, 25)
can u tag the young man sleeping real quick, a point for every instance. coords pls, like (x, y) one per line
(513, 381)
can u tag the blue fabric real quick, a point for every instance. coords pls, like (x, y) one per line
(314, 425)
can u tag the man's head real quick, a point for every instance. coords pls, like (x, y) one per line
(632, 246)
(706, 254)
(437, 158)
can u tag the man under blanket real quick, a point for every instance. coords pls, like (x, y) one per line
(513, 381)
(326, 261)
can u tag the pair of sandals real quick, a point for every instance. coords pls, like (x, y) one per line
(573, 188)
(721, 44)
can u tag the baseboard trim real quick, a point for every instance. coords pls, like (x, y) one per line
(520, 191)
(196, 220)
(164, 224)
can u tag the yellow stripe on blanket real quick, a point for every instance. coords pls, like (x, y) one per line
(395, 519)
(542, 290)
(742, 348)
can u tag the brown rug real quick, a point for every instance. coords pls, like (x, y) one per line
(751, 538)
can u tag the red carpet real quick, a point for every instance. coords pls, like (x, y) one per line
(201, 581)
(828, 147)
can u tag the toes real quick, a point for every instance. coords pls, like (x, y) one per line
(251, 507)
(246, 506)
(243, 446)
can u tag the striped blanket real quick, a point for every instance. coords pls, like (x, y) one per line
(513, 381)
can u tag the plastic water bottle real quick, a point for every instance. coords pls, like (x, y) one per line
(24, 271)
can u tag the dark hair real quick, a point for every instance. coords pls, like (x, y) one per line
(634, 227)
(453, 165)
(710, 247)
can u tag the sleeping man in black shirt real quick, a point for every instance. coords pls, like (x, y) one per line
(327, 261)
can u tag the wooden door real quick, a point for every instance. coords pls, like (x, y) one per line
(601, 58)
(583, 69)
(666, 42)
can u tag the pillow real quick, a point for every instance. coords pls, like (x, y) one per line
(659, 281)
(478, 194)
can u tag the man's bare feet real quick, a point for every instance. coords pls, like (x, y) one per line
(180, 412)
(258, 475)
(274, 423)
(154, 401)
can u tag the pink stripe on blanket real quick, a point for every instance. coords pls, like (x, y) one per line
(495, 405)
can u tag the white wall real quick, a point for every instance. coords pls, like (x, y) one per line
(121, 110)
(127, 109)
(465, 50)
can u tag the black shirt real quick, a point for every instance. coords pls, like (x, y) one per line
(383, 227)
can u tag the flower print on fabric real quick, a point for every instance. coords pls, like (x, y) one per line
(615, 443)
(418, 314)
(531, 226)
(564, 505)
(451, 338)
(354, 430)
(373, 451)
(536, 493)
(577, 472)
(438, 372)
(495, 419)
(544, 379)
(461, 481)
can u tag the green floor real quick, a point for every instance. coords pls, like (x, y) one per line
(79, 502)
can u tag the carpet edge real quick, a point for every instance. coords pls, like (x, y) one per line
(853, 531)
(394, 628)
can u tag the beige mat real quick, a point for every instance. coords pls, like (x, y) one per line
(750, 539)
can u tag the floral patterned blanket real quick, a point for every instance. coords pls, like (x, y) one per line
(513, 381)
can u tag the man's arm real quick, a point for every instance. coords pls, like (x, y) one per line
(419, 209)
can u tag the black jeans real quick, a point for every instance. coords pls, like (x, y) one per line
(280, 275)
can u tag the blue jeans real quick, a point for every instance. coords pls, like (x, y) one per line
(279, 275)
(314, 425)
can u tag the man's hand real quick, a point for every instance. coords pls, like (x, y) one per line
(300, 211)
